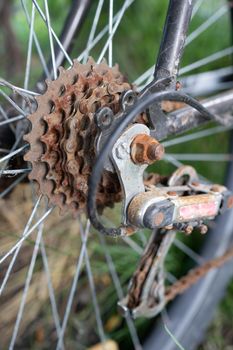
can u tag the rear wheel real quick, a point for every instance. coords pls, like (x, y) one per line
(71, 272)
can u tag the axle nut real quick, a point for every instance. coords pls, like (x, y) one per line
(146, 150)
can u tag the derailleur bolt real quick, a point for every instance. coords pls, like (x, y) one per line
(146, 150)
(104, 117)
(188, 229)
(203, 229)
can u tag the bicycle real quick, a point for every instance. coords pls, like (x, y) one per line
(86, 115)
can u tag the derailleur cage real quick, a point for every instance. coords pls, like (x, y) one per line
(183, 203)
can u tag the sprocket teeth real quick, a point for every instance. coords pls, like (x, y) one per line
(40, 100)
(76, 64)
(47, 83)
(104, 62)
(63, 133)
(91, 61)
(26, 138)
(116, 68)
(61, 71)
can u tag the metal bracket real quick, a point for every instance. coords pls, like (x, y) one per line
(129, 173)
(152, 299)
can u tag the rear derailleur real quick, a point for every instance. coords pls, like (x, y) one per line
(180, 202)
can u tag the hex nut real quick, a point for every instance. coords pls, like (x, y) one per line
(146, 150)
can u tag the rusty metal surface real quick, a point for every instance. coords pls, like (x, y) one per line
(129, 173)
(63, 133)
(142, 272)
(146, 150)
(153, 305)
(194, 275)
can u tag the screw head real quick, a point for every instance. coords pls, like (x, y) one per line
(104, 117)
(155, 151)
(188, 229)
(128, 98)
(122, 150)
(203, 229)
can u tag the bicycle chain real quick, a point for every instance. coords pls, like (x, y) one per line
(177, 288)
(195, 274)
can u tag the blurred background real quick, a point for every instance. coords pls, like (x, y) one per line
(135, 46)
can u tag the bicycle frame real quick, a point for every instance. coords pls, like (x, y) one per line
(165, 76)
(166, 66)
(172, 44)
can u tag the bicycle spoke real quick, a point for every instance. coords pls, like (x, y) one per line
(53, 33)
(29, 52)
(73, 288)
(170, 277)
(50, 39)
(200, 63)
(36, 41)
(27, 234)
(110, 32)
(20, 110)
(7, 120)
(106, 46)
(26, 286)
(188, 251)
(4, 150)
(9, 269)
(196, 135)
(93, 29)
(204, 61)
(11, 120)
(133, 245)
(11, 154)
(204, 26)
(14, 171)
(101, 33)
(196, 7)
(48, 277)
(202, 157)
(92, 287)
(120, 294)
(16, 143)
(15, 88)
(147, 74)
(50, 289)
(12, 185)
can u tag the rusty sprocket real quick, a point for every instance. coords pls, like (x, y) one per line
(63, 134)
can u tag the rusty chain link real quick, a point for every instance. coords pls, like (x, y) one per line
(148, 261)
(195, 274)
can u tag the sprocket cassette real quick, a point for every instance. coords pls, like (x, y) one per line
(63, 134)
